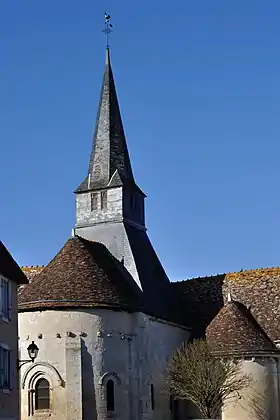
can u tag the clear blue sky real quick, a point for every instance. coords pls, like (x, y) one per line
(199, 89)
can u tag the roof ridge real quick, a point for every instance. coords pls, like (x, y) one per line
(211, 276)
(26, 267)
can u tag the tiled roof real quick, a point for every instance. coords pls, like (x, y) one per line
(201, 300)
(235, 330)
(9, 268)
(252, 276)
(259, 288)
(82, 274)
(31, 271)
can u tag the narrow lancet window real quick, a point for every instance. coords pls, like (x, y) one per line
(152, 397)
(110, 391)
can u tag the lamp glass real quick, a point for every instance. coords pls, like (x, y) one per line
(32, 350)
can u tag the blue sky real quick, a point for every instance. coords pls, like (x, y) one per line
(199, 89)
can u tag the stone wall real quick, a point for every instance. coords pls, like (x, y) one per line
(114, 237)
(113, 211)
(81, 350)
(261, 400)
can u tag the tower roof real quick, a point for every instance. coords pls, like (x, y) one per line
(109, 163)
(235, 330)
(82, 274)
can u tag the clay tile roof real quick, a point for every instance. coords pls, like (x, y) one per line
(32, 270)
(252, 276)
(260, 288)
(82, 274)
(235, 330)
(9, 268)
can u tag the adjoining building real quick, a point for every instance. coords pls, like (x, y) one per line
(11, 277)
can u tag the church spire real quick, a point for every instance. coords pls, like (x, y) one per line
(110, 207)
(109, 163)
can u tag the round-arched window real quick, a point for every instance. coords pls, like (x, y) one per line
(110, 395)
(42, 394)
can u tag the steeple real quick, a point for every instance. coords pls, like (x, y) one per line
(109, 163)
(110, 206)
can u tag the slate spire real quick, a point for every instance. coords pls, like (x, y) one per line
(109, 160)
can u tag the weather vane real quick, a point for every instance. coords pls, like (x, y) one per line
(108, 28)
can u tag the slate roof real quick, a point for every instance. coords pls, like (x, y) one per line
(9, 268)
(159, 297)
(82, 274)
(235, 330)
(109, 159)
(204, 297)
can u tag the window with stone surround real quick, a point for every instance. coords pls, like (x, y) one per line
(110, 383)
(42, 394)
(110, 395)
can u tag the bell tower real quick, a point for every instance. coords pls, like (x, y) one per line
(110, 205)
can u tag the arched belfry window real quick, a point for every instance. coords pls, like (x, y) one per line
(42, 394)
(110, 395)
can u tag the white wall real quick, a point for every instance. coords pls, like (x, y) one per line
(260, 401)
(131, 349)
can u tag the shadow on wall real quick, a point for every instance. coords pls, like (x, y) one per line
(258, 407)
(88, 391)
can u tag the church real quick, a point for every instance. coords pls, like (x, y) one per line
(107, 318)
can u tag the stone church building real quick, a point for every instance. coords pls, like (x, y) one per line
(107, 319)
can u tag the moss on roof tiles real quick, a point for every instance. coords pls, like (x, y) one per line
(260, 288)
(253, 275)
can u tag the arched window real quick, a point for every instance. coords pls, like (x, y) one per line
(42, 394)
(110, 395)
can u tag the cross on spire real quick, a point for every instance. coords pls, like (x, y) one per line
(108, 28)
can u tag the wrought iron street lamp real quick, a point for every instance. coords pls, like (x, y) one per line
(32, 350)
